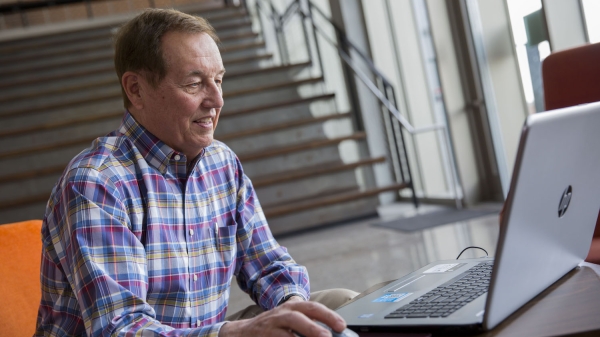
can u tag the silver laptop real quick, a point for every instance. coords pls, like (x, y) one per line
(547, 229)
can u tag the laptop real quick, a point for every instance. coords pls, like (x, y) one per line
(546, 231)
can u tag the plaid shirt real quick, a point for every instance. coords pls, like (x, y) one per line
(133, 245)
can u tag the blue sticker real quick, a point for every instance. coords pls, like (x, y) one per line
(365, 315)
(392, 297)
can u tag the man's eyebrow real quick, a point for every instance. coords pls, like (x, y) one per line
(201, 73)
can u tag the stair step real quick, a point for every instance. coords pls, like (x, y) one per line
(59, 124)
(109, 79)
(80, 58)
(47, 147)
(268, 70)
(277, 127)
(287, 176)
(40, 172)
(246, 58)
(83, 34)
(260, 108)
(271, 86)
(25, 201)
(321, 201)
(26, 55)
(67, 74)
(242, 46)
(284, 150)
(111, 93)
(64, 62)
(104, 67)
(57, 39)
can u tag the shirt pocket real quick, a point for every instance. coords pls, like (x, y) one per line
(226, 247)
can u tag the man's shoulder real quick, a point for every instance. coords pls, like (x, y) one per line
(219, 150)
(103, 153)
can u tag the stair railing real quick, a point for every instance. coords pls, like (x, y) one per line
(384, 90)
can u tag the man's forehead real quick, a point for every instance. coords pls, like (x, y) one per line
(180, 47)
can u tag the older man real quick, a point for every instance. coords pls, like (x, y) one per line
(146, 228)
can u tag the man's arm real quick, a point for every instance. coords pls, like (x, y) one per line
(273, 279)
(264, 269)
(89, 241)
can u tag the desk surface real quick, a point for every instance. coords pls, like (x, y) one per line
(571, 306)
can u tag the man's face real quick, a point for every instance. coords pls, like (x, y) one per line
(184, 108)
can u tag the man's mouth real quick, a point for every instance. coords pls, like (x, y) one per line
(205, 122)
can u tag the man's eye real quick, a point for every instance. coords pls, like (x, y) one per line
(194, 85)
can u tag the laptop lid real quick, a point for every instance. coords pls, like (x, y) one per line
(552, 207)
(546, 230)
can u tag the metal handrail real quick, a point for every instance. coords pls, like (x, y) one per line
(382, 96)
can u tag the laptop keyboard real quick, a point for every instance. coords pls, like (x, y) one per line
(450, 296)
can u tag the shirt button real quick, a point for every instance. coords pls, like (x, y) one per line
(191, 232)
(195, 277)
(177, 157)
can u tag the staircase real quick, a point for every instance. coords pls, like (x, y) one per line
(307, 163)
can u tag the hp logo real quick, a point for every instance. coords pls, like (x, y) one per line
(564, 201)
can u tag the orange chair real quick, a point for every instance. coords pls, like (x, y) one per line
(20, 293)
(572, 77)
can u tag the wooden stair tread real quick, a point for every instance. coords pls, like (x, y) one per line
(60, 76)
(64, 51)
(62, 90)
(46, 147)
(267, 70)
(279, 126)
(204, 12)
(82, 73)
(242, 46)
(22, 175)
(20, 202)
(106, 81)
(321, 201)
(247, 58)
(232, 113)
(105, 56)
(271, 86)
(102, 44)
(307, 172)
(60, 124)
(278, 151)
(56, 105)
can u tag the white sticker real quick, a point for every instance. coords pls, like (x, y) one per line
(442, 268)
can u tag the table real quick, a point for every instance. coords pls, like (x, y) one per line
(570, 307)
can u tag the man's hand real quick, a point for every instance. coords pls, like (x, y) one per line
(295, 314)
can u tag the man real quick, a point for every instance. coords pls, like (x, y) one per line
(145, 229)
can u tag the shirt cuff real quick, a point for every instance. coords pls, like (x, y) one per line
(289, 291)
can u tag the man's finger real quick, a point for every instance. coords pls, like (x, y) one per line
(319, 312)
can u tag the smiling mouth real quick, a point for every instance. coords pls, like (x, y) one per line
(204, 122)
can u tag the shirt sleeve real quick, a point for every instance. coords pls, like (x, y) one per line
(264, 269)
(88, 244)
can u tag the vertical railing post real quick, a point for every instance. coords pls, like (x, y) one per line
(415, 200)
(88, 6)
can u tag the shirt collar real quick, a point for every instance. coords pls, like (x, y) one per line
(156, 153)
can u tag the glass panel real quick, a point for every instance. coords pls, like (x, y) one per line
(529, 53)
(591, 11)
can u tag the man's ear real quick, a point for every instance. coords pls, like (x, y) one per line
(132, 86)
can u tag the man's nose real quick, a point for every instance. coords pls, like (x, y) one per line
(214, 97)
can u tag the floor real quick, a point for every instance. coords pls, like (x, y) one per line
(358, 254)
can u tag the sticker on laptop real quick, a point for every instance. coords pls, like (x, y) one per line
(444, 268)
(392, 297)
(365, 316)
